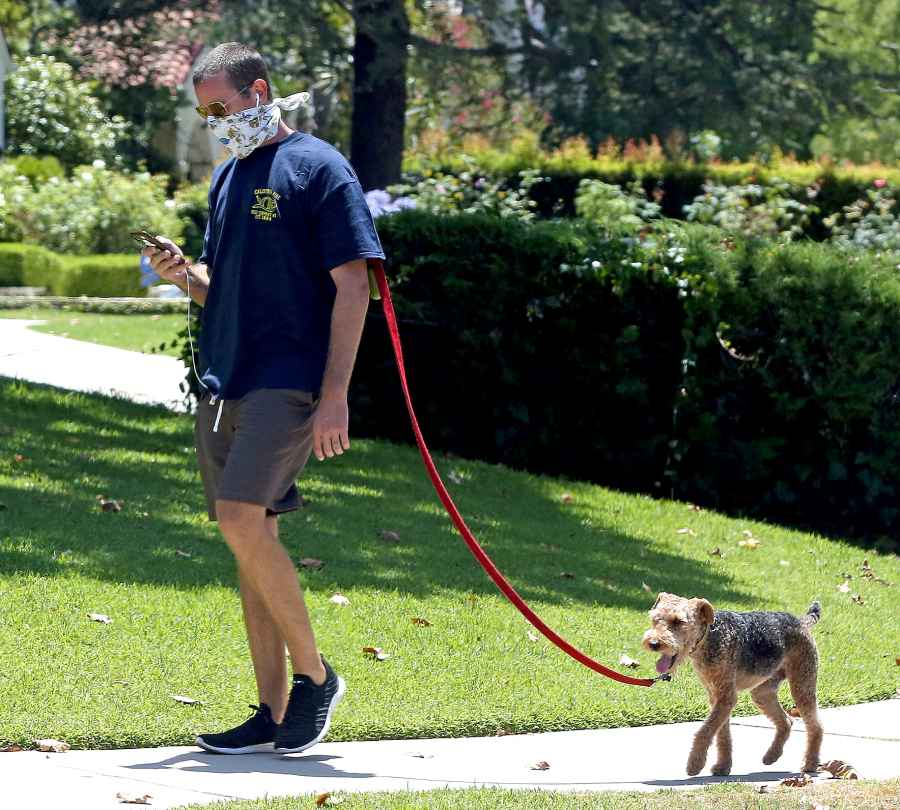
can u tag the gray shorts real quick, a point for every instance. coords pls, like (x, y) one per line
(262, 443)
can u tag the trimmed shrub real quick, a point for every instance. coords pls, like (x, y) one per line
(108, 276)
(28, 266)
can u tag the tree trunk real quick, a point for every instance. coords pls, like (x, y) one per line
(379, 91)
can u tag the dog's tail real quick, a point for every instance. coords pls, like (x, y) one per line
(813, 614)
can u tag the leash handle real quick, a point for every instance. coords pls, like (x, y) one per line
(376, 266)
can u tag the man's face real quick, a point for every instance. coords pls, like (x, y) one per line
(219, 88)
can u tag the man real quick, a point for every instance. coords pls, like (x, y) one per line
(284, 289)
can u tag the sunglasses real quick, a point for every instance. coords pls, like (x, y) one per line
(218, 109)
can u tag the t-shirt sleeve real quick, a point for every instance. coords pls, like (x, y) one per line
(342, 225)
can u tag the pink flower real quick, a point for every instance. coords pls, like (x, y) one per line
(880, 182)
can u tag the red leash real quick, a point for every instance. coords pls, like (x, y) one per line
(471, 542)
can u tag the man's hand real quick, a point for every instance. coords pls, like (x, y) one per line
(331, 427)
(168, 264)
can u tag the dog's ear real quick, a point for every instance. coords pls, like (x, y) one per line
(658, 598)
(705, 611)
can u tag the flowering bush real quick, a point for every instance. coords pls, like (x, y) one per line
(14, 189)
(468, 192)
(613, 208)
(90, 212)
(50, 112)
(752, 209)
(872, 223)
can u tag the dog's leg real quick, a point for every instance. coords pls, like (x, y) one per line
(722, 703)
(723, 750)
(802, 672)
(765, 696)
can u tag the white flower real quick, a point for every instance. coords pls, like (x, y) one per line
(99, 164)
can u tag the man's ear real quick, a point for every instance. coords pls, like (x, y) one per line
(262, 87)
(704, 611)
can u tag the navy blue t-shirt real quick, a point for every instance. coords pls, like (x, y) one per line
(279, 220)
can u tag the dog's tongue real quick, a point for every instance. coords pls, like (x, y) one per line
(662, 666)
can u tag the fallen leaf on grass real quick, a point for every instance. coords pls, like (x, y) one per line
(20, 458)
(99, 617)
(625, 661)
(421, 622)
(566, 497)
(868, 573)
(328, 800)
(716, 552)
(762, 789)
(646, 587)
(11, 749)
(751, 542)
(377, 653)
(54, 746)
(784, 563)
(188, 701)
(455, 477)
(686, 530)
(844, 587)
(311, 563)
(532, 636)
(858, 600)
(839, 769)
(694, 508)
(339, 599)
(541, 766)
(797, 781)
(179, 552)
(108, 504)
(567, 575)
(129, 798)
(389, 536)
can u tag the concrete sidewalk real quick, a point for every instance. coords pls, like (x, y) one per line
(81, 366)
(645, 759)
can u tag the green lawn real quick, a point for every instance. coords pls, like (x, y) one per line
(831, 795)
(141, 333)
(176, 623)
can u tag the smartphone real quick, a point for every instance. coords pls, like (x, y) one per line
(146, 239)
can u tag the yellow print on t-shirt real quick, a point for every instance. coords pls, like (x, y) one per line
(265, 208)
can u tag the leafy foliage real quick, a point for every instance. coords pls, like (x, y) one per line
(50, 112)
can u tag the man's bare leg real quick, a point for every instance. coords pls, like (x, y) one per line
(268, 576)
(266, 643)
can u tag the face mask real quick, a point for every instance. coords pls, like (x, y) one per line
(242, 132)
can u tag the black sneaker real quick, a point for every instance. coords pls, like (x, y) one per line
(257, 733)
(309, 711)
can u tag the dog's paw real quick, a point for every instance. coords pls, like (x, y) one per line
(810, 766)
(772, 755)
(721, 769)
(695, 763)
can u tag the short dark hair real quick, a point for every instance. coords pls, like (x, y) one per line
(242, 65)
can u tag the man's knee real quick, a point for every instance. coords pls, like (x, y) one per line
(241, 522)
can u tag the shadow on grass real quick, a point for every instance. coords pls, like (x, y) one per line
(78, 446)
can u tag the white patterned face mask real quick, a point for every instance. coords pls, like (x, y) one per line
(242, 132)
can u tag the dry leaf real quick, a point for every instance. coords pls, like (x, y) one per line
(455, 477)
(868, 573)
(99, 617)
(716, 552)
(54, 746)
(567, 575)
(109, 505)
(762, 789)
(844, 587)
(311, 563)
(186, 700)
(752, 543)
(339, 599)
(128, 798)
(897, 661)
(858, 600)
(377, 653)
(421, 622)
(747, 533)
(797, 781)
(532, 636)
(328, 800)
(389, 536)
(566, 497)
(19, 458)
(784, 563)
(11, 749)
(646, 587)
(839, 769)
(625, 661)
(686, 530)
(178, 551)
(694, 508)
(541, 766)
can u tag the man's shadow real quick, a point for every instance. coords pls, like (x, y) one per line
(314, 765)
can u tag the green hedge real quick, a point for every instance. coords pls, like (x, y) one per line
(110, 275)
(762, 379)
(28, 266)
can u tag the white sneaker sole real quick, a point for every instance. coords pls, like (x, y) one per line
(261, 748)
(342, 687)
